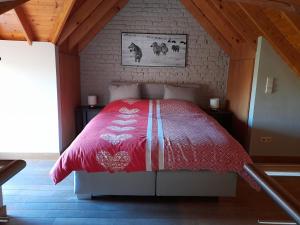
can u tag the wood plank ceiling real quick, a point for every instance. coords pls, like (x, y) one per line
(232, 23)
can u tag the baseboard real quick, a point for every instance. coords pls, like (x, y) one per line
(276, 159)
(9, 155)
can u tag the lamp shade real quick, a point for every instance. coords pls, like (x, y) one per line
(92, 100)
(214, 103)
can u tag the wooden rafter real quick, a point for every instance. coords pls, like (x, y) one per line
(8, 5)
(273, 35)
(28, 33)
(207, 25)
(90, 22)
(220, 22)
(285, 5)
(78, 18)
(233, 18)
(61, 20)
(99, 26)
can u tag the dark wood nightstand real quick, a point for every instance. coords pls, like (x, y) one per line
(84, 114)
(224, 117)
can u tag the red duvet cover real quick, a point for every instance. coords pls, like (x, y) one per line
(151, 135)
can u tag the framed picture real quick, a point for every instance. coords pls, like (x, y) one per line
(154, 50)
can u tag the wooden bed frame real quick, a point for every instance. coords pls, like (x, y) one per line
(162, 183)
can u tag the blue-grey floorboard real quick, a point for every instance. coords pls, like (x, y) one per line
(32, 199)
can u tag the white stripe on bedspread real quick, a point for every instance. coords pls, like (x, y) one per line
(149, 138)
(160, 134)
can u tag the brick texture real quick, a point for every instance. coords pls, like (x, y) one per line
(100, 61)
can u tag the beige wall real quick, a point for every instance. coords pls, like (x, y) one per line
(207, 64)
(275, 115)
(28, 97)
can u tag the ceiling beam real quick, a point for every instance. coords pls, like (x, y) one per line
(285, 5)
(78, 18)
(226, 9)
(28, 33)
(273, 35)
(207, 25)
(61, 20)
(90, 22)
(220, 22)
(99, 26)
(8, 5)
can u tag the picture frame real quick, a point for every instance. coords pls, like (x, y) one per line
(153, 50)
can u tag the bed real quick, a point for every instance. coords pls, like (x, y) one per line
(134, 147)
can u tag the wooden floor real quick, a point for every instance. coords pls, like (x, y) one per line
(32, 199)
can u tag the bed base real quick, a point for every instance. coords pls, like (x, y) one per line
(162, 183)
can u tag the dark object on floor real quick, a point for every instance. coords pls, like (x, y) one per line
(8, 168)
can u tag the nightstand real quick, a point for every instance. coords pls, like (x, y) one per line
(224, 117)
(84, 114)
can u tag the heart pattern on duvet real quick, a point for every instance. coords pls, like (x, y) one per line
(125, 116)
(124, 122)
(115, 139)
(120, 129)
(117, 162)
(128, 111)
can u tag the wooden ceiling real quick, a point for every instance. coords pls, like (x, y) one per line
(72, 23)
(232, 23)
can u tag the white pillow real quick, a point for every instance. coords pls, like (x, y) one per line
(124, 91)
(180, 93)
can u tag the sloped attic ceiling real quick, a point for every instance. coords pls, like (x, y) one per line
(58, 20)
(232, 23)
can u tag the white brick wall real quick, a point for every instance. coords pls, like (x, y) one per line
(100, 62)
